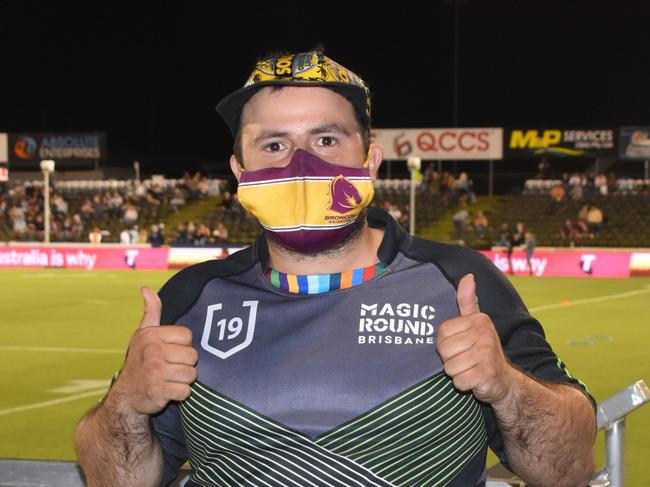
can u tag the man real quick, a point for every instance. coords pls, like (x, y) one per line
(337, 350)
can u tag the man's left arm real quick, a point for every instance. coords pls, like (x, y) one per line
(548, 429)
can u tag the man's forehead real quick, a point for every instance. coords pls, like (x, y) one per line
(275, 105)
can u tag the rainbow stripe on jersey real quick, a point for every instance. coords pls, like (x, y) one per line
(322, 283)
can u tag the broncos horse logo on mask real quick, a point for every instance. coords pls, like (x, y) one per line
(344, 197)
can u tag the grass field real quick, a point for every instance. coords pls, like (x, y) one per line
(63, 334)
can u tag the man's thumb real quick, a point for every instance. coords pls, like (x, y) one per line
(152, 308)
(466, 295)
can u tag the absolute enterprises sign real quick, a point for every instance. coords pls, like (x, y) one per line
(441, 144)
(26, 150)
(565, 142)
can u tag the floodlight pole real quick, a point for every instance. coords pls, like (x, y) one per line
(47, 167)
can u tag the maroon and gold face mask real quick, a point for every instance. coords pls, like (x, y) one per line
(308, 205)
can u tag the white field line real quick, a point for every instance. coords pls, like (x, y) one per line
(52, 402)
(597, 299)
(60, 349)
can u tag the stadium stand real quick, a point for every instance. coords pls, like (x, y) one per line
(154, 211)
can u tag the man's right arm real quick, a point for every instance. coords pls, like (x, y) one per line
(118, 447)
(115, 441)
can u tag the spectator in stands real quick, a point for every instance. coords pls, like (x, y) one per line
(177, 200)
(611, 183)
(203, 186)
(581, 230)
(558, 195)
(460, 218)
(430, 181)
(480, 225)
(601, 184)
(130, 215)
(191, 232)
(576, 192)
(134, 235)
(568, 232)
(202, 235)
(576, 178)
(19, 223)
(87, 210)
(60, 206)
(98, 204)
(125, 237)
(77, 226)
(227, 201)
(151, 201)
(156, 236)
(582, 214)
(220, 233)
(531, 242)
(4, 209)
(595, 219)
(465, 187)
(38, 227)
(140, 191)
(190, 183)
(143, 236)
(66, 229)
(182, 237)
(116, 202)
(589, 183)
(157, 190)
(55, 230)
(95, 237)
(515, 239)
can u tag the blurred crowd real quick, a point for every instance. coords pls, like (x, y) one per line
(102, 215)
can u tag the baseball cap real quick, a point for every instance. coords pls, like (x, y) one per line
(311, 68)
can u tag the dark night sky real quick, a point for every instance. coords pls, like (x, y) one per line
(151, 75)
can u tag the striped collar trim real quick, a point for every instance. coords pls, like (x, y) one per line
(322, 283)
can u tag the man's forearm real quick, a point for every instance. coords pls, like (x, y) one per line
(118, 448)
(548, 431)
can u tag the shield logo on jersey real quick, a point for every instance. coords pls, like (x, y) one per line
(230, 334)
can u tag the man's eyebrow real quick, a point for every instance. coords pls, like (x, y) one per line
(330, 127)
(321, 129)
(269, 134)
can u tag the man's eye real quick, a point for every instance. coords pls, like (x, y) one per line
(273, 147)
(327, 141)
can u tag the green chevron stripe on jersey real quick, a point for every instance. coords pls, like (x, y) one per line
(229, 444)
(422, 437)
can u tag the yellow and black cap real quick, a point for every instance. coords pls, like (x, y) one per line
(303, 69)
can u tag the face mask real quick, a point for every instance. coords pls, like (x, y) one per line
(308, 205)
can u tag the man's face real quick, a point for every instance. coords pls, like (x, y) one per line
(318, 120)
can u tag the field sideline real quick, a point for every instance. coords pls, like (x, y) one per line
(63, 334)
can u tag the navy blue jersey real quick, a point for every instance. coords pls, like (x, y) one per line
(343, 388)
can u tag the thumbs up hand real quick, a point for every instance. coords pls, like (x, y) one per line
(470, 349)
(160, 363)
